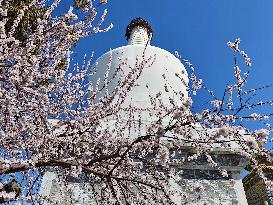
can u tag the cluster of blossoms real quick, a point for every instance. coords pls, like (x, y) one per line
(235, 47)
(216, 103)
(261, 135)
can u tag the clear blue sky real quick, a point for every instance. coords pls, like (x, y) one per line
(199, 30)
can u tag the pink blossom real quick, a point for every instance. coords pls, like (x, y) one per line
(103, 1)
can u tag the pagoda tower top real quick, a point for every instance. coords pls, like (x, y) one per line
(139, 31)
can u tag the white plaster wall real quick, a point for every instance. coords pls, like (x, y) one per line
(216, 192)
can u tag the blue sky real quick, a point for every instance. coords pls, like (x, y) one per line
(199, 30)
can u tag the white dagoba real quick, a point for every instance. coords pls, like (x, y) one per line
(163, 71)
(166, 71)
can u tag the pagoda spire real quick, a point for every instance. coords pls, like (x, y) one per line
(139, 31)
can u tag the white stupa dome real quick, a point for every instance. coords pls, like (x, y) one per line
(166, 75)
